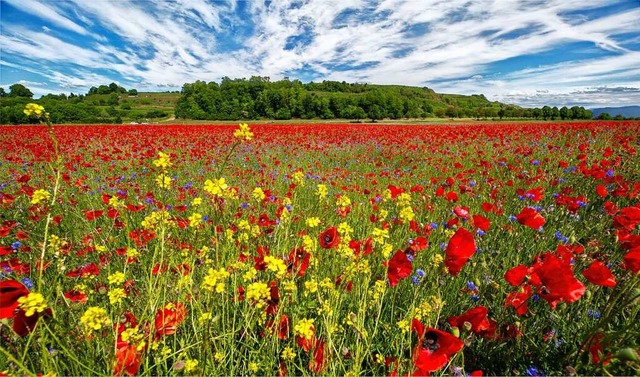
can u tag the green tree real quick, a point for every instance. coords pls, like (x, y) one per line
(19, 90)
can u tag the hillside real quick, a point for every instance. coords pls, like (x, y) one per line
(625, 111)
(258, 98)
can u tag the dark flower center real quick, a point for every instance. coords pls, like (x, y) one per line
(430, 341)
(328, 238)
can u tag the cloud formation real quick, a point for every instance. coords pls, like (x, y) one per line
(553, 52)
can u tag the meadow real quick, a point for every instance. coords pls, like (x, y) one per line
(330, 249)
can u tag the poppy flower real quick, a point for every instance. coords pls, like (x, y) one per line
(597, 273)
(518, 300)
(461, 212)
(434, 348)
(481, 222)
(476, 317)
(398, 267)
(330, 238)
(127, 360)
(23, 324)
(298, 261)
(92, 215)
(556, 281)
(632, 260)
(460, 248)
(10, 292)
(168, 319)
(531, 218)
(516, 275)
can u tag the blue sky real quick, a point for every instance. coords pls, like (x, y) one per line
(525, 52)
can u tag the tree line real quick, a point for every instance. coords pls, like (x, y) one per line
(260, 98)
(104, 104)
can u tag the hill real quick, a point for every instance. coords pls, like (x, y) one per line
(625, 111)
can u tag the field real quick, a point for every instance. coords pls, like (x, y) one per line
(332, 249)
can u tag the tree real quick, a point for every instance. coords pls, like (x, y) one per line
(2, 93)
(19, 90)
(564, 113)
(133, 92)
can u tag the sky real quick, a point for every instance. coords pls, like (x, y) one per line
(525, 52)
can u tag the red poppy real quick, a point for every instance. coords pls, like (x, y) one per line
(531, 218)
(434, 348)
(601, 191)
(298, 261)
(516, 275)
(481, 222)
(398, 267)
(10, 292)
(92, 215)
(460, 248)
(418, 244)
(76, 296)
(127, 360)
(518, 300)
(556, 281)
(168, 319)
(317, 362)
(329, 238)
(23, 325)
(632, 260)
(477, 318)
(461, 212)
(597, 273)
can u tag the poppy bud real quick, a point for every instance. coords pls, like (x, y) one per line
(587, 294)
(628, 354)
(467, 326)
(456, 331)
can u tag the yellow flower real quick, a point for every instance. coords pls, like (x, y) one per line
(163, 161)
(196, 201)
(116, 278)
(253, 367)
(310, 286)
(163, 181)
(132, 253)
(216, 187)
(276, 265)
(116, 295)
(243, 132)
(204, 317)
(32, 303)
(298, 178)
(379, 235)
(258, 291)
(39, 196)
(304, 328)
(322, 191)
(258, 194)
(33, 109)
(190, 365)
(404, 326)
(407, 214)
(288, 354)
(343, 201)
(195, 220)
(214, 279)
(313, 222)
(95, 318)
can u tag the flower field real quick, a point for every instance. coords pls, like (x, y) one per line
(331, 249)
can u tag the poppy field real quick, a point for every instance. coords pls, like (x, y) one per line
(320, 249)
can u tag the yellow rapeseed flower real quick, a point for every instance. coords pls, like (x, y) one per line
(39, 196)
(258, 291)
(243, 132)
(116, 295)
(163, 161)
(217, 187)
(304, 328)
(32, 303)
(33, 109)
(313, 222)
(95, 318)
(195, 220)
(258, 194)
(116, 278)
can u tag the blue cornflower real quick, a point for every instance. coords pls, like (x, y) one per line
(27, 283)
(16, 245)
(533, 371)
(420, 273)
(415, 280)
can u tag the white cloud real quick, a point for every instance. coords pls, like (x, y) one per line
(449, 45)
